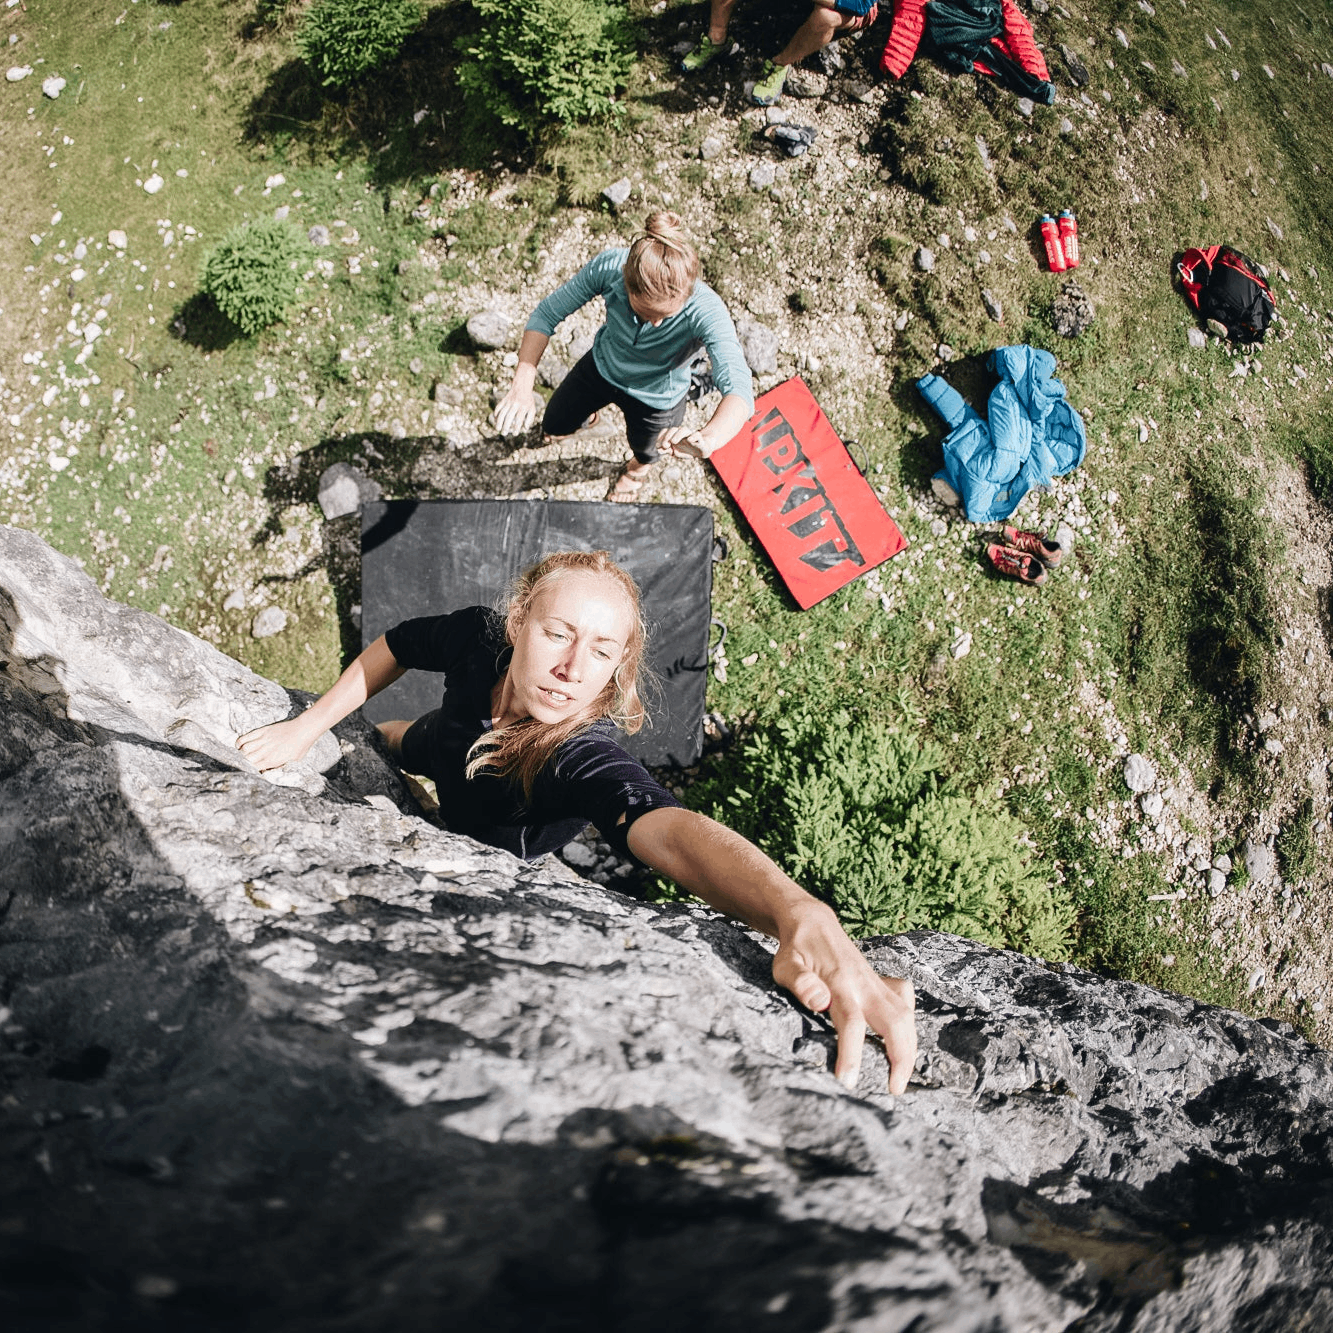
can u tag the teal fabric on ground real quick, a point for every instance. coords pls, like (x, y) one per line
(1030, 433)
(651, 364)
(961, 29)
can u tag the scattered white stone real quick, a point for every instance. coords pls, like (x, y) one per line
(117, 240)
(1066, 125)
(1025, 107)
(925, 259)
(961, 646)
(1217, 881)
(1121, 38)
(419, 116)
(91, 332)
(57, 462)
(1267, 69)
(712, 147)
(268, 622)
(1273, 745)
(280, 213)
(1151, 804)
(53, 86)
(1139, 773)
(618, 192)
(1197, 338)
(235, 600)
(17, 72)
(1179, 70)
(1255, 982)
(80, 250)
(318, 235)
(983, 256)
(579, 854)
(763, 176)
(1274, 228)
(273, 182)
(153, 184)
(944, 352)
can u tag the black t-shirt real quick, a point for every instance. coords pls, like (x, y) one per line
(590, 779)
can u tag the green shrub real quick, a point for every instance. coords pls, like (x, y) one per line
(537, 61)
(253, 273)
(857, 811)
(343, 39)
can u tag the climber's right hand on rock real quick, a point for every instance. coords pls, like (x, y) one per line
(516, 411)
(278, 744)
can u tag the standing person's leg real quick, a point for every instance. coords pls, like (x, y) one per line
(712, 42)
(644, 427)
(580, 395)
(824, 23)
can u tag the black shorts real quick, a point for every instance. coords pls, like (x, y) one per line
(584, 391)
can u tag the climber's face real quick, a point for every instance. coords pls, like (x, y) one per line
(568, 648)
(655, 312)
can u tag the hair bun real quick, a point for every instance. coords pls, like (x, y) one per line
(664, 226)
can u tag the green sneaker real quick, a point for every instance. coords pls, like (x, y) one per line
(769, 87)
(703, 55)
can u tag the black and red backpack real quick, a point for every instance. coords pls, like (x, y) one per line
(1225, 285)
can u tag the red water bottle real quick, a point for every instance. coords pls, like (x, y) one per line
(1050, 234)
(1069, 237)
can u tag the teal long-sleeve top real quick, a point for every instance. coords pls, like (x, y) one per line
(651, 364)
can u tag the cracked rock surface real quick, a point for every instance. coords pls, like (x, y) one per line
(289, 1057)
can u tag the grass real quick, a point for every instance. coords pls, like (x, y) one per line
(190, 472)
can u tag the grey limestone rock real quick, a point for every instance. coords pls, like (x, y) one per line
(805, 83)
(993, 304)
(283, 1060)
(1072, 311)
(760, 346)
(762, 176)
(319, 235)
(343, 489)
(1259, 860)
(618, 192)
(1139, 773)
(1197, 338)
(489, 330)
(925, 259)
(712, 147)
(268, 622)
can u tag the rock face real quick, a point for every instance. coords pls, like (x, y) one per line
(294, 1058)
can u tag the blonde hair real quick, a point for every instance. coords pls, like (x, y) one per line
(663, 266)
(522, 749)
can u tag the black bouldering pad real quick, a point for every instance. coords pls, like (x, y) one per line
(428, 557)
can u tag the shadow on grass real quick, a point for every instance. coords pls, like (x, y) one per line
(199, 322)
(375, 118)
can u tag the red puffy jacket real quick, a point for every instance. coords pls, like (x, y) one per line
(909, 21)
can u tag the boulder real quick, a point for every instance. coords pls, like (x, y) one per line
(281, 1059)
(489, 330)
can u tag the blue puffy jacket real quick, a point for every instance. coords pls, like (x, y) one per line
(1030, 433)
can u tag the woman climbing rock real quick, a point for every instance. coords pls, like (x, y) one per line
(659, 313)
(522, 755)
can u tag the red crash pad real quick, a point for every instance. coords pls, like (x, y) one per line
(816, 515)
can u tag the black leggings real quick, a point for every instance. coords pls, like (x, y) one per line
(584, 391)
